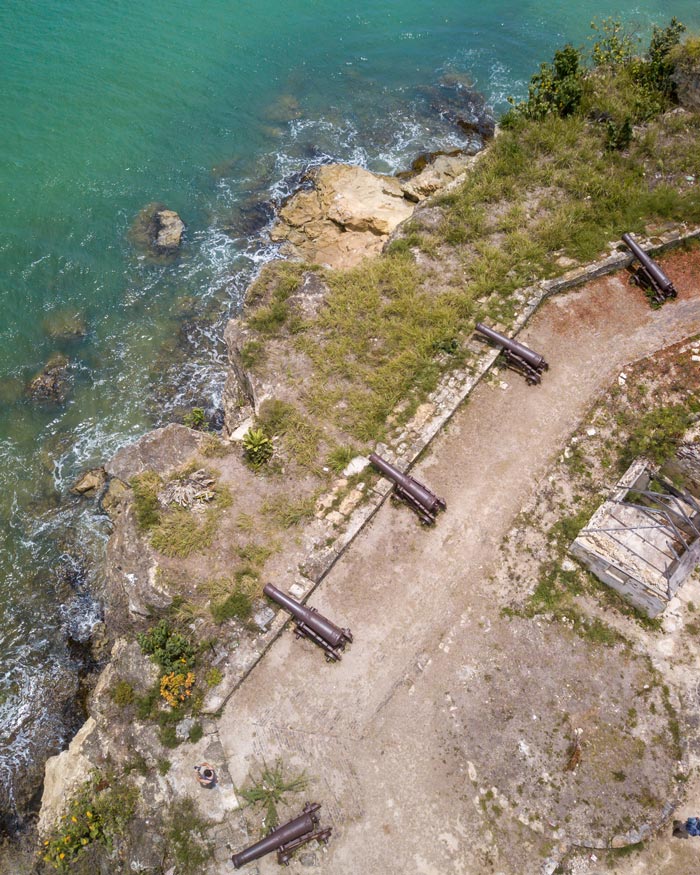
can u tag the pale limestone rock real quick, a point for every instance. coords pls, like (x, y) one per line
(345, 218)
(64, 774)
(169, 231)
(91, 482)
(436, 176)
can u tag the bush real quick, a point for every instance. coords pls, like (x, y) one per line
(557, 88)
(618, 136)
(658, 434)
(98, 813)
(122, 693)
(213, 677)
(258, 447)
(195, 419)
(168, 648)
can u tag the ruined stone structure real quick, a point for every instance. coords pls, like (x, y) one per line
(645, 540)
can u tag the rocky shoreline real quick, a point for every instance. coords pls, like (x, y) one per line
(348, 231)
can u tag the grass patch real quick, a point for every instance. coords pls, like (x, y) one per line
(187, 841)
(287, 512)
(300, 437)
(179, 533)
(146, 487)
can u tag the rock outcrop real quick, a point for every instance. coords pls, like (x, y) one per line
(349, 213)
(345, 217)
(157, 230)
(51, 384)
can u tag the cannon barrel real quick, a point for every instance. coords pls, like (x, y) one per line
(289, 832)
(535, 360)
(333, 635)
(423, 501)
(651, 272)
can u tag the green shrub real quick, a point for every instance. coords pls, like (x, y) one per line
(164, 766)
(169, 649)
(258, 447)
(196, 733)
(213, 677)
(237, 606)
(618, 136)
(195, 419)
(98, 814)
(122, 693)
(557, 88)
(658, 434)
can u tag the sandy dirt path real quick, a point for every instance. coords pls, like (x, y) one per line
(381, 734)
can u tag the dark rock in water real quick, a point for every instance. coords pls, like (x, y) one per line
(157, 230)
(457, 101)
(64, 325)
(217, 419)
(51, 385)
(249, 217)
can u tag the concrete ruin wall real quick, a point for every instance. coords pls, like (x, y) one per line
(614, 556)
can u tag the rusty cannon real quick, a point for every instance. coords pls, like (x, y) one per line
(520, 357)
(285, 839)
(649, 276)
(312, 625)
(417, 496)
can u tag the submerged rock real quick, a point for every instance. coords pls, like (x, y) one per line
(51, 384)
(65, 325)
(157, 230)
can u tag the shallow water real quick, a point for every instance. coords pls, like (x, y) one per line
(212, 109)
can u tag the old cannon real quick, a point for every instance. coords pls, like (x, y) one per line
(312, 625)
(530, 363)
(417, 496)
(285, 839)
(648, 275)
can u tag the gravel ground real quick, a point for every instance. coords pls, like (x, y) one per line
(439, 744)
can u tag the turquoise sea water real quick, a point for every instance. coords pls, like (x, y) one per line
(212, 107)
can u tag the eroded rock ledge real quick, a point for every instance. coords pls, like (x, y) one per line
(348, 213)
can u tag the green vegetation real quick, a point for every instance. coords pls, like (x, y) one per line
(195, 419)
(187, 837)
(287, 512)
(659, 432)
(268, 790)
(258, 447)
(196, 733)
(589, 155)
(299, 436)
(169, 649)
(122, 693)
(213, 677)
(146, 488)
(98, 814)
(237, 606)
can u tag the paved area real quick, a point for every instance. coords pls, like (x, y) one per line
(408, 741)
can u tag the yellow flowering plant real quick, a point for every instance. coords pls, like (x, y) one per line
(99, 812)
(176, 687)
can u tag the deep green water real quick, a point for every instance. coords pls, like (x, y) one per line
(210, 106)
